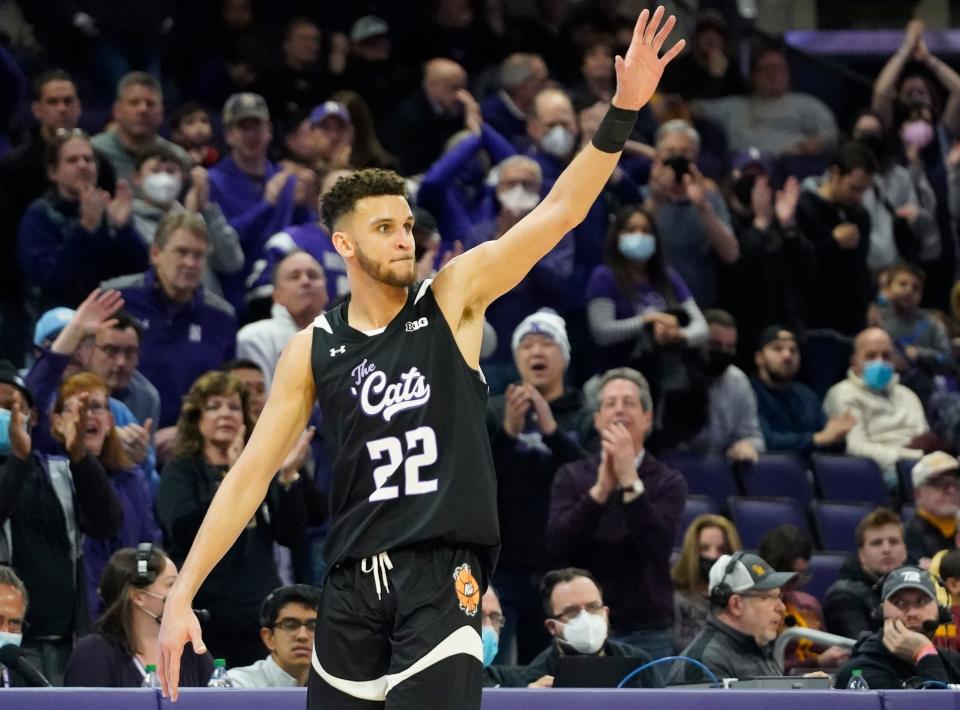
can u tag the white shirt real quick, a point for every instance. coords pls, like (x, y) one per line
(262, 674)
(264, 340)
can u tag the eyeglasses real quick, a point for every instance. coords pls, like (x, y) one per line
(944, 483)
(571, 613)
(14, 626)
(292, 626)
(111, 351)
(92, 408)
(495, 618)
(65, 134)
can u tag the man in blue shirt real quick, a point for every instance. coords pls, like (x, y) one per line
(790, 414)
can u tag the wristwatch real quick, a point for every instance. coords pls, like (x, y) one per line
(636, 487)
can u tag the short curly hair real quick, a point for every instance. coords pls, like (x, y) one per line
(350, 189)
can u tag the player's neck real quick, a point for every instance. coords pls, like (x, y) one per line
(374, 304)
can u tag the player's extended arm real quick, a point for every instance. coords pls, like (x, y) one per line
(240, 494)
(475, 279)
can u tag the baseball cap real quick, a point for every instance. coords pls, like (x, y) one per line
(327, 109)
(908, 578)
(51, 323)
(367, 27)
(10, 376)
(750, 571)
(753, 157)
(546, 322)
(775, 332)
(245, 105)
(931, 465)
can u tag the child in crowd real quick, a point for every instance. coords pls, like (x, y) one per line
(192, 130)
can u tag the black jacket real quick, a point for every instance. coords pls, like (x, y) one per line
(849, 602)
(40, 544)
(923, 540)
(727, 652)
(884, 671)
(548, 661)
(525, 469)
(247, 573)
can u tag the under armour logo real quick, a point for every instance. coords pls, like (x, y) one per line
(338, 351)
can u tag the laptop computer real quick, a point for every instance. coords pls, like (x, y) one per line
(599, 672)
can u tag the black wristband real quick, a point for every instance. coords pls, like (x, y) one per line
(614, 130)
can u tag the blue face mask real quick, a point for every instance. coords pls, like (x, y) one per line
(637, 246)
(877, 374)
(8, 638)
(6, 448)
(491, 644)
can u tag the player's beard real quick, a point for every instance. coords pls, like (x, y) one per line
(383, 273)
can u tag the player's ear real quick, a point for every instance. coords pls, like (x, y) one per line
(342, 243)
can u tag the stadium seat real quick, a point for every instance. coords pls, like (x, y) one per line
(696, 506)
(824, 568)
(777, 475)
(705, 475)
(755, 517)
(850, 479)
(836, 523)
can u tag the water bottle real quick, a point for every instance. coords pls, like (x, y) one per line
(220, 679)
(150, 679)
(857, 681)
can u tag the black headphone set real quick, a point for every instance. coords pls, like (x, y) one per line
(944, 615)
(145, 575)
(721, 592)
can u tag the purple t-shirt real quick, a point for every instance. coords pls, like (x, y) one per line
(645, 298)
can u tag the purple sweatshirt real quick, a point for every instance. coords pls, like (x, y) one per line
(626, 545)
(180, 342)
(138, 526)
(453, 189)
(240, 197)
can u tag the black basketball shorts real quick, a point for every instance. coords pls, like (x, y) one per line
(400, 630)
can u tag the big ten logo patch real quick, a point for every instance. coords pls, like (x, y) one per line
(416, 324)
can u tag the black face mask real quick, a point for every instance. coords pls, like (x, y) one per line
(705, 564)
(717, 362)
(743, 189)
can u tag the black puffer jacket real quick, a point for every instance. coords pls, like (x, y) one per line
(849, 602)
(884, 671)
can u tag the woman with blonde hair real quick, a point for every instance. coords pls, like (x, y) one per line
(707, 538)
(212, 430)
(98, 437)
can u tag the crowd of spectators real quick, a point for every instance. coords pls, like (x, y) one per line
(760, 275)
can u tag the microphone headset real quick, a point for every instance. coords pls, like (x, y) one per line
(145, 576)
(721, 592)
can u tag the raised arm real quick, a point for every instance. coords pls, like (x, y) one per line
(243, 490)
(469, 283)
(885, 87)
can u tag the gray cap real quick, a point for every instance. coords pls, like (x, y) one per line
(908, 578)
(367, 27)
(748, 572)
(245, 105)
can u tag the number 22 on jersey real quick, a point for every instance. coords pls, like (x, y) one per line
(392, 448)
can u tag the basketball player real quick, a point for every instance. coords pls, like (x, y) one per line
(413, 535)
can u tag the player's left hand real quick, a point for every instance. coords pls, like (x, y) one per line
(639, 71)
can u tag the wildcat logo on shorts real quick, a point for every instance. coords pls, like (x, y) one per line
(468, 591)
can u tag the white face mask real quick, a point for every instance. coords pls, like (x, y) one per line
(161, 188)
(518, 201)
(558, 142)
(586, 632)
(10, 639)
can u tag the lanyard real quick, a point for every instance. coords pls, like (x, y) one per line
(139, 664)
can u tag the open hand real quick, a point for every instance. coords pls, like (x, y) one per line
(639, 71)
(20, 442)
(121, 206)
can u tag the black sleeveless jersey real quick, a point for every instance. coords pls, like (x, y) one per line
(404, 428)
